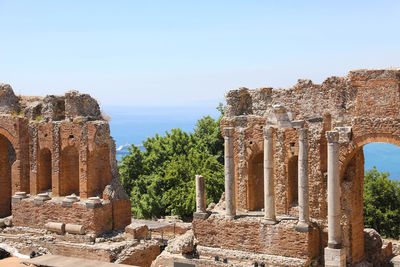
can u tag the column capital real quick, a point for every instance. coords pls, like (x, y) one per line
(268, 132)
(332, 136)
(303, 133)
(228, 131)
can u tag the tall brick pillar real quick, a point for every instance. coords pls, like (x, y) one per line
(269, 196)
(230, 198)
(335, 255)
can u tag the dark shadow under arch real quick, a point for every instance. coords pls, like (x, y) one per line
(7, 158)
(256, 182)
(45, 170)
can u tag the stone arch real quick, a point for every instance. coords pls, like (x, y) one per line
(7, 159)
(255, 190)
(45, 170)
(4, 132)
(292, 181)
(352, 180)
(69, 176)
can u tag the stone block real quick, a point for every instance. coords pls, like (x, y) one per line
(201, 215)
(41, 198)
(137, 230)
(93, 203)
(303, 228)
(335, 257)
(69, 200)
(18, 197)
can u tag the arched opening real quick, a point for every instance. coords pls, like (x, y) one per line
(256, 182)
(69, 178)
(7, 158)
(363, 158)
(99, 172)
(292, 181)
(45, 170)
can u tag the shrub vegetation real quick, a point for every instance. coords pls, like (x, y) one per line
(160, 178)
(382, 203)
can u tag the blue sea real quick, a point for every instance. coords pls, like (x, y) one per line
(132, 125)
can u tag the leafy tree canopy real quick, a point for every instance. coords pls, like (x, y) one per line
(382, 203)
(160, 178)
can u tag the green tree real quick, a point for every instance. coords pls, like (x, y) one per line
(382, 203)
(163, 180)
(132, 167)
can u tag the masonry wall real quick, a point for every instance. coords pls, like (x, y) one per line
(95, 221)
(60, 145)
(367, 101)
(249, 234)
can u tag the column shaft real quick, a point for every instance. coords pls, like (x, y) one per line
(334, 233)
(269, 197)
(200, 194)
(229, 174)
(304, 207)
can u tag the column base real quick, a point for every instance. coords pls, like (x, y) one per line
(201, 215)
(269, 221)
(335, 257)
(303, 227)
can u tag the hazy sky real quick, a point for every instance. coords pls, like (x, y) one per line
(164, 53)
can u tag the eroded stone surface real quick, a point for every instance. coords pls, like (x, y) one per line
(56, 146)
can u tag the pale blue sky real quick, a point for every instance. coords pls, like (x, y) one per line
(186, 53)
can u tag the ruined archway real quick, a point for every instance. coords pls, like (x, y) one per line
(352, 180)
(256, 182)
(69, 178)
(7, 158)
(45, 170)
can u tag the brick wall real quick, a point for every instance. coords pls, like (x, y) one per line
(248, 234)
(96, 221)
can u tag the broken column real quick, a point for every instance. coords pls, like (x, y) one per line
(334, 254)
(55, 227)
(200, 198)
(229, 174)
(304, 208)
(269, 196)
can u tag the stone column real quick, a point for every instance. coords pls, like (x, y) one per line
(304, 206)
(200, 194)
(334, 254)
(200, 198)
(229, 174)
(269, 196)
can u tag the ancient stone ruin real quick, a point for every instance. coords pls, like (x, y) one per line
(60, 190)
(294, 171)
(58, 164)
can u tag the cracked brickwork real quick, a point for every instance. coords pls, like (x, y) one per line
(366, 101)
(60, 145)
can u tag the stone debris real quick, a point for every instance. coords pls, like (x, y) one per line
(183, 244)
(137, 230)
(375, 251)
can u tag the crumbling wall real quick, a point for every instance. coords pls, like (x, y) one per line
(62, 146)
(365, 101)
